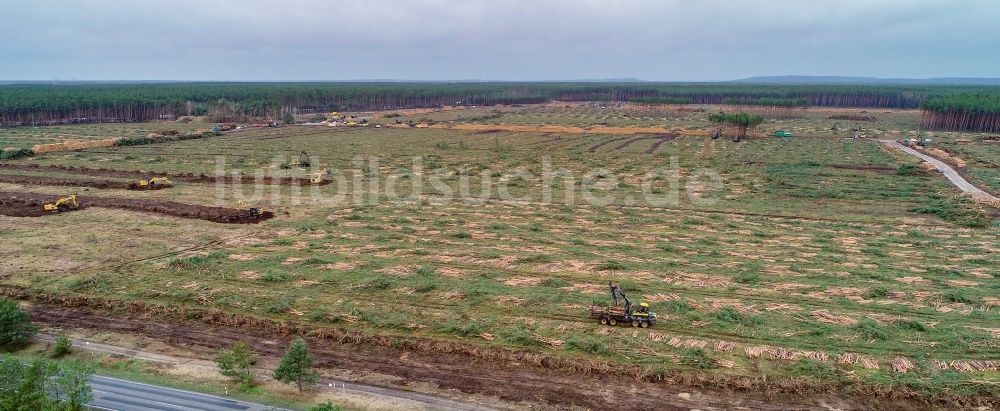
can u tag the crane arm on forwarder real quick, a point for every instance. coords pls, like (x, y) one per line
(625, 314)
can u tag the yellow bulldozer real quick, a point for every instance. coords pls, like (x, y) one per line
(249, 207)
(153, 183)
(62, 204)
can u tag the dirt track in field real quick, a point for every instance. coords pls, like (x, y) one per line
(184, 177)
(71, 182)
(510, 381)
(872, 168)
(26, 204)
(663, 139)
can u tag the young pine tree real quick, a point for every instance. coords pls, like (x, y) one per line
(236, 363)
(15, 325)
(296, 366)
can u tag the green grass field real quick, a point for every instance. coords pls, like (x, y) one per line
(26, 137)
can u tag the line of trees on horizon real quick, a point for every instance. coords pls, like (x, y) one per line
(41, 104)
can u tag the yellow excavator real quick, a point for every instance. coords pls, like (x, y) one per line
(249, 207)
(153, 183)
(317, 178)
(62, 204)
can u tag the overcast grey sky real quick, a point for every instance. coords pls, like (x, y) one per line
(670, 40)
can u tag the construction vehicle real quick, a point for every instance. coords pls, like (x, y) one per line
(623, 314)
(782, 133)
(913, 142)
(249, 207)
(153, 183)
(317, 178)
(62, 204)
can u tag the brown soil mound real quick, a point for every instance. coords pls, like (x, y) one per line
(19, 204)
(15, 206)
(70, 182)
(186, 177)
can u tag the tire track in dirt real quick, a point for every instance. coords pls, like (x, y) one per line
(629, 142)
(551, 140)
(659, 143)
(604, 143)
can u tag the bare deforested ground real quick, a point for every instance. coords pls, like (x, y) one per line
(825, 266)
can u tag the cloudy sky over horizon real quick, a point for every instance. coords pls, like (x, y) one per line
(667, 40)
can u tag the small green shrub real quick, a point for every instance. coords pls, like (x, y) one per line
(377, 283)
(696, 357)
(677, 307)
(278, 307)
(16, 153)
(537, 258)
(553, 282)
(326, 406)
(588, 344)
(961, 210)
(136, 141)
(469, 329)
(273, 277)
(732, 316)
(611, 265)
(912, 325)
(62, 347)
(519, 336)
(908, 170)
(876, 292)
(425, 286)
(957, 296)
(816, 369)
(871, 330)
(875, 251)
(747, 278)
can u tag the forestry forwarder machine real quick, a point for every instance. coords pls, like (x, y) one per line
(62, 204)
(624, 314)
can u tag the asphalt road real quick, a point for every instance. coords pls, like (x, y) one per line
(122, 395)
(945, 169)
